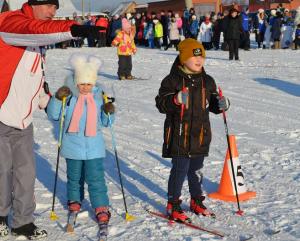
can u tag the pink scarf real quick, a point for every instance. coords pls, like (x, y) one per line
(91, 120)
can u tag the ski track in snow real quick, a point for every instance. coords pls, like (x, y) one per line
(264, 91)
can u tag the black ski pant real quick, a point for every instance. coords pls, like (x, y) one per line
(245, 41)
(234, 48)
(297, 42)
(182, 167)
(173, 42)
(101, 39)
(125, 65)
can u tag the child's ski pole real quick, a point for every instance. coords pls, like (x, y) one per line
(239, 212)
(128, 217)
(53, 215)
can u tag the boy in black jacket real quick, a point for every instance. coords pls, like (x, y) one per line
(186, 96)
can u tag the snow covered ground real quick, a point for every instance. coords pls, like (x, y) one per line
(264, 91)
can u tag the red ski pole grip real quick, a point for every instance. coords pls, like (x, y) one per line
(220, 92)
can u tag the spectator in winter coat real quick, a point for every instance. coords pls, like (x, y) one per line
(140, 31)
(185, 23)
(194, 27)
(173, 33)
(217, 31)
(91, 39)
(259, 27)
(115, 26)
(102, 22)
(126, 48)
(233, 31)
(82, 142)
(267, 37)
(276, 30)
(297, 36)
(158, 33)
(224, 25)
(186, 96)
(21, 33)
(205, 33)
(245, 40)
(149, 33)
(165, 23)
(287, 30)
(179, 23)
(138, 21)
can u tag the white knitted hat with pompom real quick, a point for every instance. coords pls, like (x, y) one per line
(85, 68)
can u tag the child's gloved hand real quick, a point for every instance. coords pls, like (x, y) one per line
(223, 103)
(182, 97)
(62, 92)
(109, 108)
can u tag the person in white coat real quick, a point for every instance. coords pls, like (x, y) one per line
(205, 33)
(173, 34)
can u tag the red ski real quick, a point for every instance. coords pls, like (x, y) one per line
(191, 225)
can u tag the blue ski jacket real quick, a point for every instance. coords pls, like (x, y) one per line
(76, 145)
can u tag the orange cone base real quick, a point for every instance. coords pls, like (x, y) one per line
(242, 197)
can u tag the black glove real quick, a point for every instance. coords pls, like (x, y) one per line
(109, 108)
(85, 31)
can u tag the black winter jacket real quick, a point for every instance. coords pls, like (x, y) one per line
(234, 28)
(195, 136)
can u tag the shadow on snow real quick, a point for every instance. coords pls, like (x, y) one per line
(290, 88)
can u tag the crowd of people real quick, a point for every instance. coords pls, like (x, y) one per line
(276, 28)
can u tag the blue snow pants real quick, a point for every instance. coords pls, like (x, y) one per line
(182, 167)
(93, 175)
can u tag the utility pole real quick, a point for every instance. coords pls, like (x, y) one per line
(82, 7)
(189, 4)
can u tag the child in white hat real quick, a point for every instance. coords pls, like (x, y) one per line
(82, 144)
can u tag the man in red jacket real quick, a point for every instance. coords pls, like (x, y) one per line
(22, 32)
(102, 22)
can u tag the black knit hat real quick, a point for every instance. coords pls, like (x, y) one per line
(42, 2)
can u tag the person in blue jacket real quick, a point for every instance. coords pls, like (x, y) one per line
(82, 144)
(194, 27)
(260, 27)
(297, 36)
(115, 26)
(245, 41)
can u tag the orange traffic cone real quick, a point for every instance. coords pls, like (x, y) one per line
(226, 191)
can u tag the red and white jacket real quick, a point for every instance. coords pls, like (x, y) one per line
(21, 78)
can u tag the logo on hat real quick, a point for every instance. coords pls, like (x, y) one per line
(197, 52)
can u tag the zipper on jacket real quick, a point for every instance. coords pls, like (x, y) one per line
(201, 136)
(185, 134)
(168, 136)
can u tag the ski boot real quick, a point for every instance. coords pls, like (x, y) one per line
(121, 77)
(175, 212)
(4, 230)
(74, 208)
(30, 231)
(197, 207)
(102, 216)
(130, 77)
